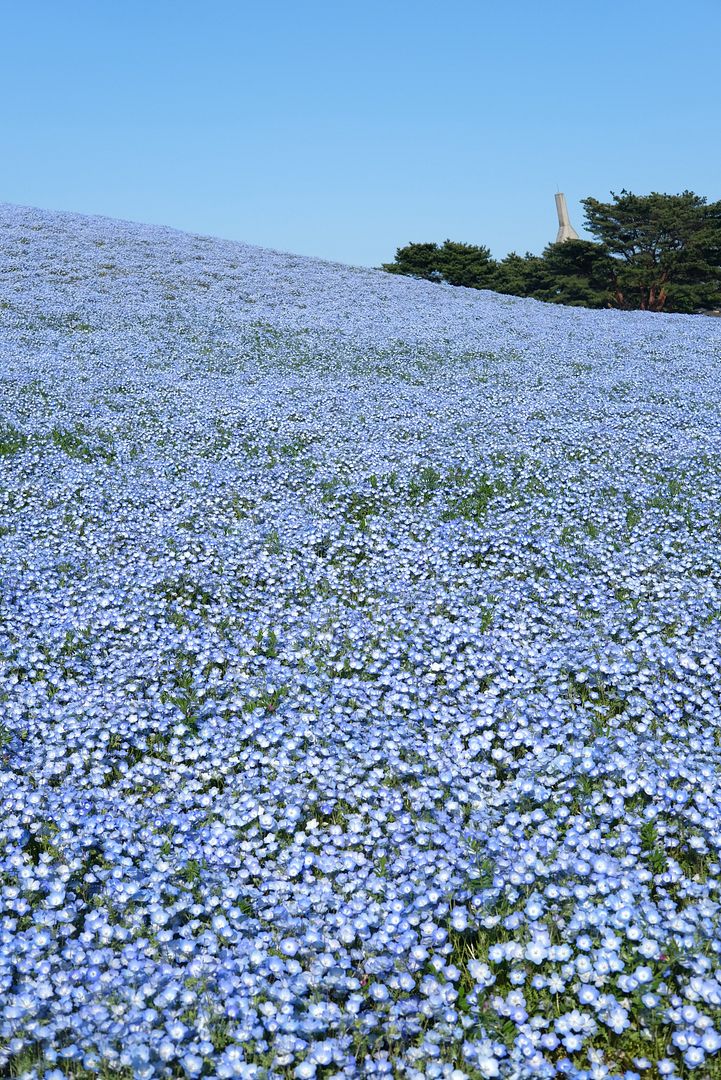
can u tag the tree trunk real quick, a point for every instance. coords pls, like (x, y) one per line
(661, 295)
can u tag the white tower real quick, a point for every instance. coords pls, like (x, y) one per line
(566, 230)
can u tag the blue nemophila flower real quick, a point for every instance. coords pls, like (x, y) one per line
(359, 666)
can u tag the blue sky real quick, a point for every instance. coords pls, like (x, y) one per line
(345, 129)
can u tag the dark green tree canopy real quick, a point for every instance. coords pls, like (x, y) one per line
(466, 264)
(416, 260)
(654, 252)
(453, 262)
(666, 248)
(577, 272)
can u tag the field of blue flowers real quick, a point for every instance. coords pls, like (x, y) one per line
(360, 671)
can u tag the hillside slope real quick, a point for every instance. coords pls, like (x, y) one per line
(359, 670)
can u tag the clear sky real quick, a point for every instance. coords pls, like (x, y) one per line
(345, 129)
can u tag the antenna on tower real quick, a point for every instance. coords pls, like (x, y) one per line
(566, 230)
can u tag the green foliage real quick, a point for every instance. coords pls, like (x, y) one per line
(453, 262)
(422, 486)
(654, 252)
(467, 264)
(416, 260)
(520, 275)
(472, 503)
(11, 440)
(577, 272)
(665, 249)
(74, 443)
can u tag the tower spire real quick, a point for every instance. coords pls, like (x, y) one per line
(566, 230)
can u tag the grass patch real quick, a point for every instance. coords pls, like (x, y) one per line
(12, 440)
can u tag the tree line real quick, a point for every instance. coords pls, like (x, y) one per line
(650, 252)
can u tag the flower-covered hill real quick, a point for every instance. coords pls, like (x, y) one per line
(360, 671)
